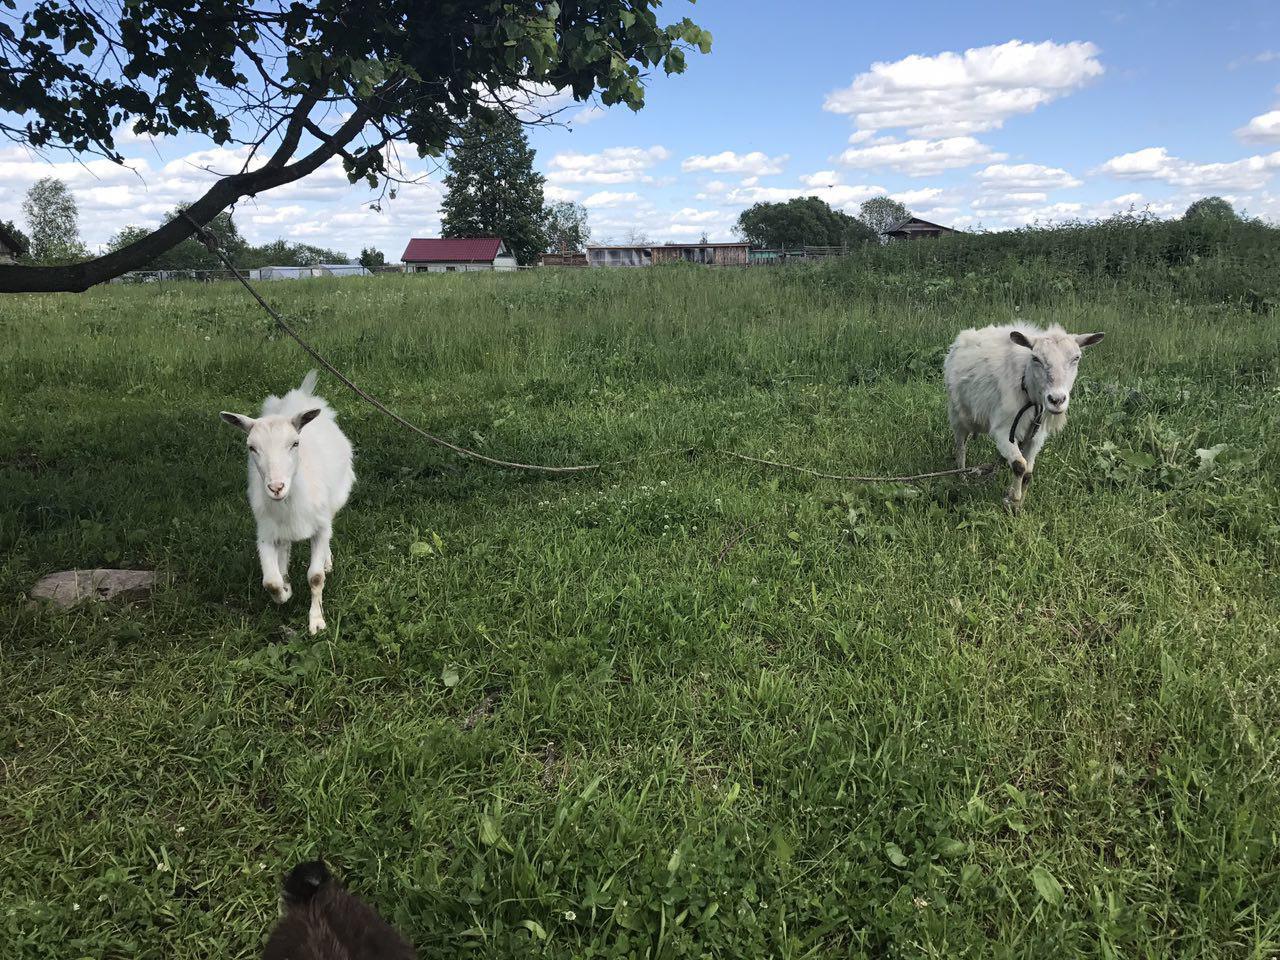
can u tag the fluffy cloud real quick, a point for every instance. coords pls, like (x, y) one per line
(952, 94)
(924, 197)
(1264, 128)
(921, 158)
(609, 198)
(823, 178)
(1025, 176)
(755, 164)
(556, 194)
(1155, 163)
(1014, 210)
(612, 165)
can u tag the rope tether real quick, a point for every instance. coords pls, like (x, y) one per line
(211, 242)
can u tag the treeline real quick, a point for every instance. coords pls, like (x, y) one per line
(191, 254)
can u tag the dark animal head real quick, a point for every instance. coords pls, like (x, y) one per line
(324, 921)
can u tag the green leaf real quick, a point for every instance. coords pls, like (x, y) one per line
(450, 676)
(490, 835)
(534, 927)
(674, 863)
(1047, 886)
(895, 854)
(949, 848)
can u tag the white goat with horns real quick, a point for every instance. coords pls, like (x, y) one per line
(1014, 384)
(300, 476)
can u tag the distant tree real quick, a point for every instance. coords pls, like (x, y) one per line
(282, 253)
(1211, 208)
(190, 254)
(566, 227)
(880, 213)
(492, 189)
(24, 242)
(53, 220)
(372, 257)
(799, 222)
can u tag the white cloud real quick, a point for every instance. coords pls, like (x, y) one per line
(917, 198)
(1264, 128)
(1155, 163)
(612, 165)
(587, 115)
(952, 94)
(1029, 176)
(823, 178)
(556, 194)
(693, 215)
(608, 198)
(756, 163)
(921, 158)
(1266, 56)
(858, 136)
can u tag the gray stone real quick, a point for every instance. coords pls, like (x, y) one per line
(69, 587)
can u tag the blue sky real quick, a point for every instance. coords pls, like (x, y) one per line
(978, 114)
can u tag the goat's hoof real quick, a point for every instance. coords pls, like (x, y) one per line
(316, 625)
(279, 590)
(1013, 506)
(328, 564)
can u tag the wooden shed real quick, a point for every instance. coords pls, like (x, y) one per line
(643, 255)
(913, 228)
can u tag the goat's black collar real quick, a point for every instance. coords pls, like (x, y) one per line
(1035, 420)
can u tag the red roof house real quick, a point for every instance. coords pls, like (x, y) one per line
(457, 254)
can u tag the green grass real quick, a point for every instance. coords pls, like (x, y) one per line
(559, 717)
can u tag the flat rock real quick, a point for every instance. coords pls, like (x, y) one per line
(69, 587)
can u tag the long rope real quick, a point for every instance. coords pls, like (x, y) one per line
(211, 242)
(977, 471)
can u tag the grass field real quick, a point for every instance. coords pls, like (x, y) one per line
(689, 707)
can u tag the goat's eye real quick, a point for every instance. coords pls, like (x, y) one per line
(1035, 359)
(295, 445)
(1074, 361)
(253, 449)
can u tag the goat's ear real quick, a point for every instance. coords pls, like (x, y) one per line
(1020, 338)
(238, 420)
(1088, 339)
(306, 416)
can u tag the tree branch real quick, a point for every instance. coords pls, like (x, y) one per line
(78, 277)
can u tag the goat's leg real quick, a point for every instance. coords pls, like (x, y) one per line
(315, 576)
(1017, 463)
(1034, 444)
(962, 443)
(272, 578)
(283, 550)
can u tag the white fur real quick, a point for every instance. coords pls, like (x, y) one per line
(300, 475)
(992, 373)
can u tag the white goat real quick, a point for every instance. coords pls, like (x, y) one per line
(1014, 384)
(298, 481)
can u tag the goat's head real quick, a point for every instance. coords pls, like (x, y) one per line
(1053, 364)
(273, 447)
